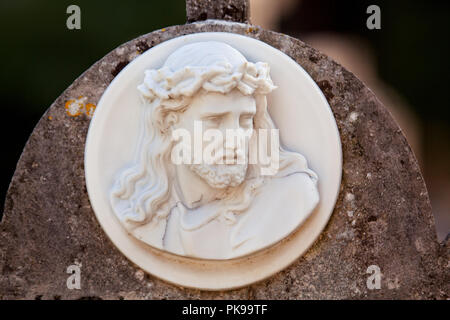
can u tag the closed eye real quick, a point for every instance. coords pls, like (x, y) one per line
(216, 119)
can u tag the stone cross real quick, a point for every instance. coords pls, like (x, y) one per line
(380, 242)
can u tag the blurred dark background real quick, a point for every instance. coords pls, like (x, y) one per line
(406, 62)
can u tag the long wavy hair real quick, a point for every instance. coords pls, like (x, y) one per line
(145, 190)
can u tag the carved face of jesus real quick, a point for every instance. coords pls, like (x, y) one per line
(227, 115)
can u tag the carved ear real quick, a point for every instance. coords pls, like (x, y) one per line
(169, 120)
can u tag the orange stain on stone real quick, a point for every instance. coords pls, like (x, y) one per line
(250, 30)
(90, 108)
(75, 107)
(68, 105)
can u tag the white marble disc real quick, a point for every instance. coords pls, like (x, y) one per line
(306, 124)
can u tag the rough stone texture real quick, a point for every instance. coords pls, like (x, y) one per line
(229, 10)
(382, 217)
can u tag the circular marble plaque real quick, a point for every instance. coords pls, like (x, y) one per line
(307, 126)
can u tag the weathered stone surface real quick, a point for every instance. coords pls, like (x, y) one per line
(229, 10)
(382, 217)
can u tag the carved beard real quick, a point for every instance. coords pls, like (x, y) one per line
(220, 176)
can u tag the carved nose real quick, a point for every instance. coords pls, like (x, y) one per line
(230, 155)
(234, 155)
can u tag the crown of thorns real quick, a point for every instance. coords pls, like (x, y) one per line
(164, 84)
